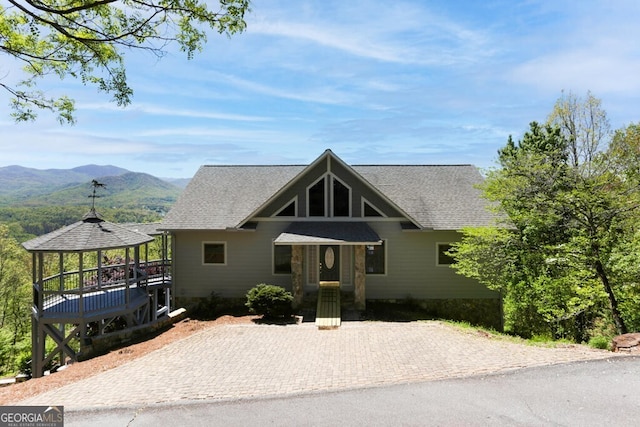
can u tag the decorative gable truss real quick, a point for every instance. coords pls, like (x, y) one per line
(329, 189)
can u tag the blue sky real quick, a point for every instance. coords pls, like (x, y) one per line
(395, 82)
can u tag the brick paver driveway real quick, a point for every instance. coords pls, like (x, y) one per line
(243, 361)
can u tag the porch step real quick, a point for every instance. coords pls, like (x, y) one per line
(328, 311)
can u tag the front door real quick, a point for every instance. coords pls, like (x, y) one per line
(330, 263)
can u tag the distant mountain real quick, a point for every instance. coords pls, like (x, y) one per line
(130, 190)
(179, 182)
(20, 183)
(97, 170)
(20, 186)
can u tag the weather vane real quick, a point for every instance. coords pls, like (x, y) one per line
(95, 184)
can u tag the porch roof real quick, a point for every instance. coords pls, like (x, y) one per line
(90, 234)
(328, 233)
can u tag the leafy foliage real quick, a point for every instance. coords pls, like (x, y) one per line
(85, 40)
(15, 293)
(269, 301)
(569, 250)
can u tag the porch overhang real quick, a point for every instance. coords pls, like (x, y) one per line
(328, 233)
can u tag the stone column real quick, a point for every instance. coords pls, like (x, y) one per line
(360, 274)
(296, 275)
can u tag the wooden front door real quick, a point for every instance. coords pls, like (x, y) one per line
(329, 263)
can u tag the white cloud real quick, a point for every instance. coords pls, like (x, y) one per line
(156, 110)
(218, 134)
(324, 94)
(401, 32)
(600, 72)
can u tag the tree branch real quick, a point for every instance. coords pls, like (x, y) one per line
(41, 6)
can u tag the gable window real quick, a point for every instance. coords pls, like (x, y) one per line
(443, 258)
(289, 210)
(341, 199)
(282, 259)
(317, 199)
(214, 253)
(374, 259)
(329, 197)
(368, 210)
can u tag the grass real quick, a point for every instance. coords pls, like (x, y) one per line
(603, 343)
(407, 311)
(600, 342)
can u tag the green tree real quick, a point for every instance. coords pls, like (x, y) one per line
(85, 39)
(625, 162)
(14, 301)
(570, 195)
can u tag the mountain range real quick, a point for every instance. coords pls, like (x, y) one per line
(21, 186)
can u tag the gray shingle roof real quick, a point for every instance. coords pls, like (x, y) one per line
(442, 197)
(435, 197)
(221, 197)
(90, 234)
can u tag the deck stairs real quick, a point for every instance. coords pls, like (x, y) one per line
(328, 309)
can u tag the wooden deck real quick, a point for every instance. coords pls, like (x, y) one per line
(61, 307)
(328, 311)
(95, 304)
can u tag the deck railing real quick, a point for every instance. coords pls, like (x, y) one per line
(108, 280)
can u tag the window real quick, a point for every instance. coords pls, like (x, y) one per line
(369, 210)
(317, 199)
(282, 259)
(214, 253)
(374, 259)
(443, 257)
(341, 199)
(329, 197)
(289, 210)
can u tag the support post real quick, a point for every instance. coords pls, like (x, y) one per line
(81, 285)
(99, 278)
(127, 277)
(360, 275)
(296, 275)
(37, 335)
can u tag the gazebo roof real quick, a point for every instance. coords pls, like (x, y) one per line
(90, 234)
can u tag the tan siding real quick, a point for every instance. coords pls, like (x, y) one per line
(249, 262)
(412, 270)
(411, 265)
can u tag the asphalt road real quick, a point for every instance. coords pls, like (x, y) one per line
(593, 393)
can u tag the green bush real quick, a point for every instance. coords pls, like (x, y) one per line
(600, 342)
(270, 301)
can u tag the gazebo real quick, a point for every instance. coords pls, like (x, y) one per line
(98, 296)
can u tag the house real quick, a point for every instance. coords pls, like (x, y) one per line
(378, 232)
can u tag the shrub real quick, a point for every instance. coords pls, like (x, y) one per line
(269, 301)
(600, 342)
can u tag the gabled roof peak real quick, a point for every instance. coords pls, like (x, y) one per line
(224, 197)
